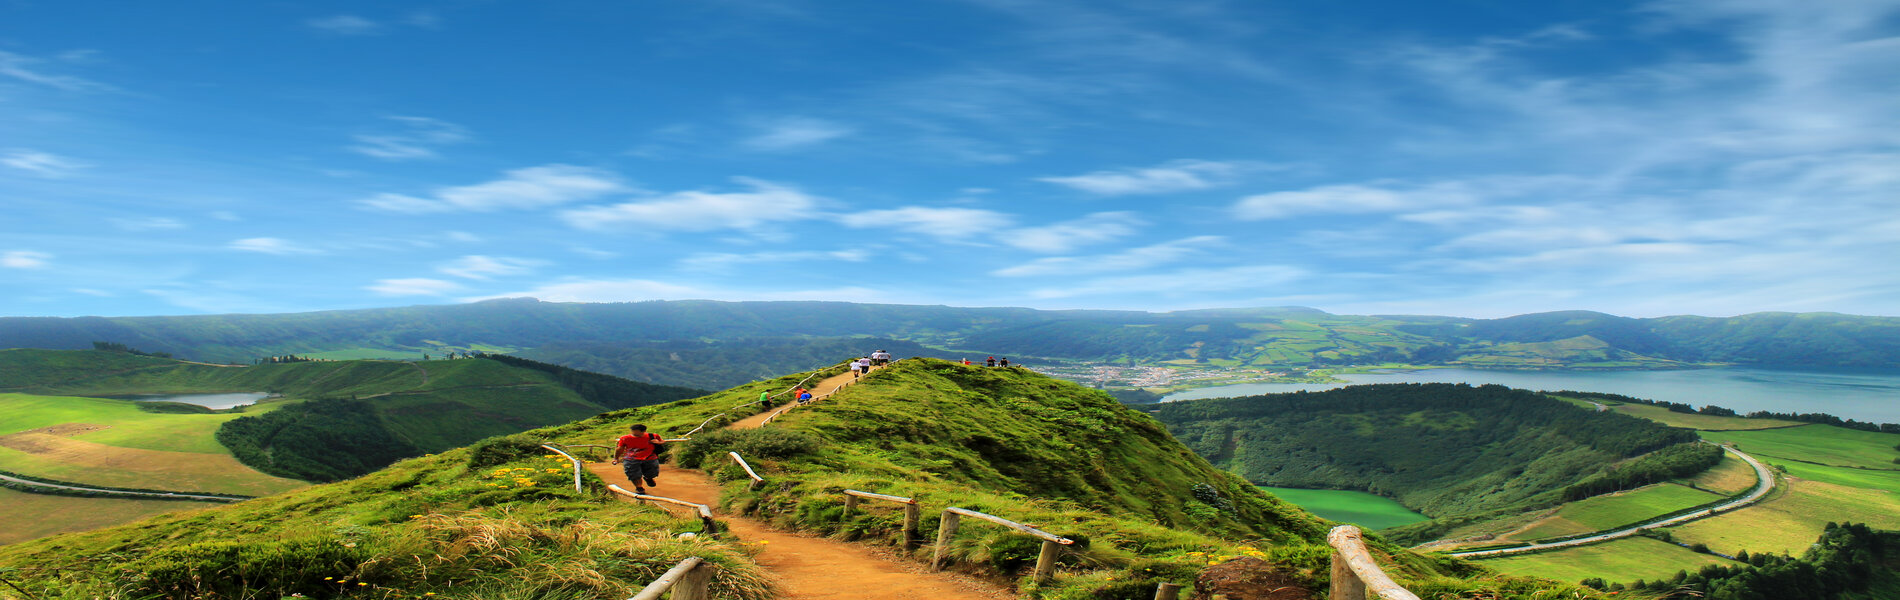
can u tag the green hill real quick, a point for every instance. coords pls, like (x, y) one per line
(493, 521)
(345, 418)
(1451, 451)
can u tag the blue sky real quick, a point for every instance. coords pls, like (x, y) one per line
(1469, 158)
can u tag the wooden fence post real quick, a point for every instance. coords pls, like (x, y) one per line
(1346, 584)
(1046, 561)
(1168, 591)
(944, 532)
(695, 585)
(850, 504)
(912, 538)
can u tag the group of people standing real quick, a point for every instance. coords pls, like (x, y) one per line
(990, 362)
(864, 364)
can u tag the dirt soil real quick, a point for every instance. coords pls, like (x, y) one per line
(1248, 578)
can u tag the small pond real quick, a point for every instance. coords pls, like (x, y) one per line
(213, 401)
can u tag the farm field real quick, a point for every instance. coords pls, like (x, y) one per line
(1622, 561)
(118, 422)
(1694, 421)
(1369, 511)
(1788, 521)
(30, 516)
(1622, 508)
(1823, 444)
(1731, 476)
(114, 443)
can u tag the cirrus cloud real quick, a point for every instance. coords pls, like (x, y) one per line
(527, 188)
(765, 203)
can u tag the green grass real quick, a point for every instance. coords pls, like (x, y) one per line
(1688, 420)
(1731, 476)
(30, 516)
(1369, 511)
(129, 427)
(1791, 518)
(364, 354)
(1621, 561)
(1613, 510)
(1823, 444)
(1860, 478)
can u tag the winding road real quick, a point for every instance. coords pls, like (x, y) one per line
(170, 495)
(1764, 481)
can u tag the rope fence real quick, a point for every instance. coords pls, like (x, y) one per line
(570, 458)
(952, 516)
(1355, 573)
(912, 538)
(705, 512)
(688, 580)
(756, 479)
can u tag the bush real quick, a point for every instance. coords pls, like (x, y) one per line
(504, 449)
(311, 567)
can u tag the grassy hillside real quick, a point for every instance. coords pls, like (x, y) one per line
(1451, 451)
(492, 521)
(341, 418)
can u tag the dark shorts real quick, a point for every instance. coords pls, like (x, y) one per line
(641, 469)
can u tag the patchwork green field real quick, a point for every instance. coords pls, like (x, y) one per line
(30, 516)
(1370, 511)
(1788, 521)
(1613, 510)
(1823, 444)
(1622, 560)
(1731, 476)
(120, 422)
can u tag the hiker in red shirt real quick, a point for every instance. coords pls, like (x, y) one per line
(638, 454)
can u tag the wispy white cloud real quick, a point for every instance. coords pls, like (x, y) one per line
(947, 223)
(1398, 197)
(43, 164)
(147, 223)
(633, 290)
(765, 203)
(1133, 259)
(271, 245)
(1250, 278)
(1066, 236)
(476, 266)
(795, 132)
(27, 69)
(345, 25)
(1184, 175)
(24, 259)
(417, 286)
(720, 261)
(415, 137)
(528, 188)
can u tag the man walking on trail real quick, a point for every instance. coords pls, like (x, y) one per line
(990, 362)
(638, 454)
(880, 358)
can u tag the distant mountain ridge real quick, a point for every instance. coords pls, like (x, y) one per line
(1286, 336)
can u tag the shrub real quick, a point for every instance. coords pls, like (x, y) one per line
(310, 566)
(504, 449)
(751, 443)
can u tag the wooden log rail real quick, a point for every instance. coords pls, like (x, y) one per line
(1045, 562)
(1355, 573)
(912, 538)
(689, 580)
(705, 512)
(756, 479)
(570, 458)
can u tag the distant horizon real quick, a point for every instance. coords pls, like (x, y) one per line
(1465, 157)
(1158, 312)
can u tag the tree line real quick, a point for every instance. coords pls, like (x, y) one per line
(1678, 407)
(1846, 560)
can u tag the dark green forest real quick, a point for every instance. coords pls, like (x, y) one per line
(1451, 451)
(1848, 561)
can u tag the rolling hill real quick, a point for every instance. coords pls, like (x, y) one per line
(494, 520)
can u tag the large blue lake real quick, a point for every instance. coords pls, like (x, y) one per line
(1850, 395)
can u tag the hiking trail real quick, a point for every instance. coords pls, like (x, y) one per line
(808, 567)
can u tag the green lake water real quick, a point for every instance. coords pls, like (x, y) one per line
(1368, 511)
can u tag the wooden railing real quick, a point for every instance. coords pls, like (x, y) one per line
(756, 479)
(912, 538)
(1355, 573)
(689, 580)
(570, 458)
(705, 512)
(1045, 561)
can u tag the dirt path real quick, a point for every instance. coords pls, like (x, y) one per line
(822, 390)
(814, 568)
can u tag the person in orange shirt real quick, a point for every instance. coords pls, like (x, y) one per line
(638, 454)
